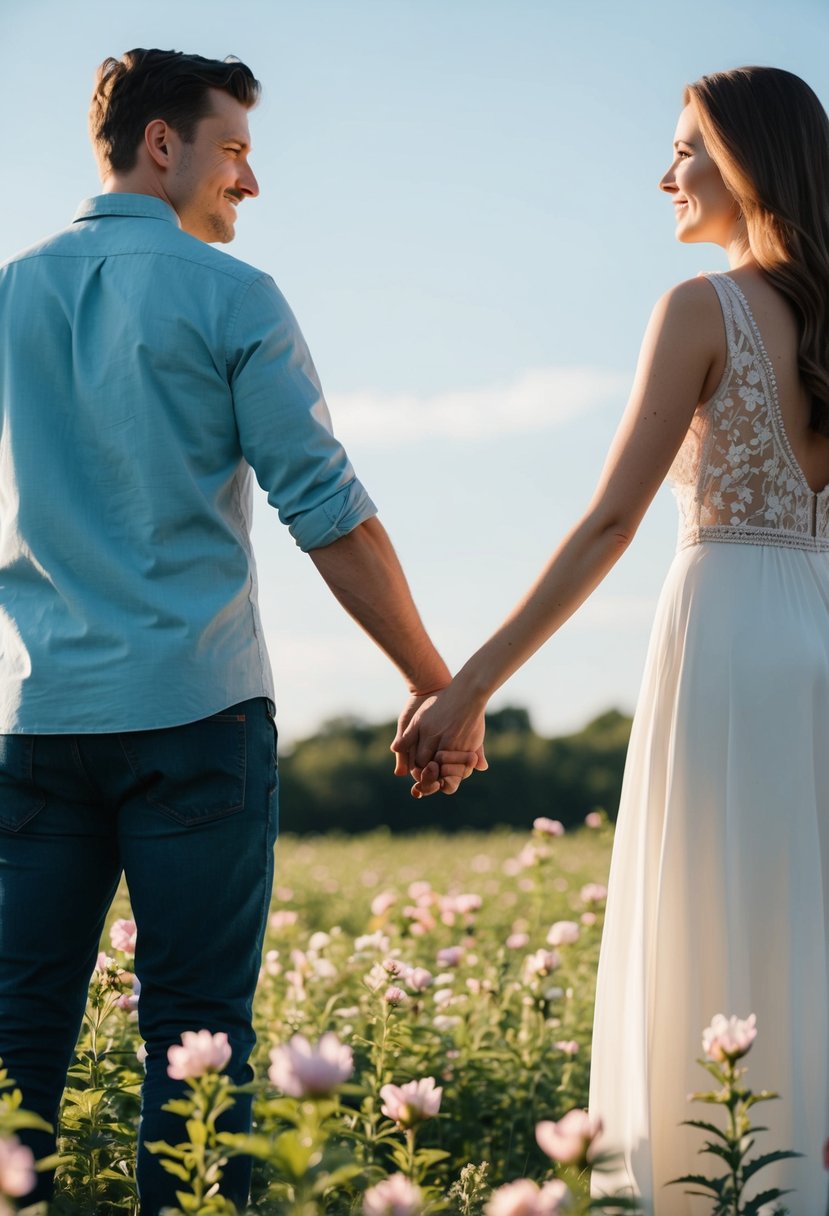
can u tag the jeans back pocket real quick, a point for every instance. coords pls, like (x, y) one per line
(193, 773)
(20, 799)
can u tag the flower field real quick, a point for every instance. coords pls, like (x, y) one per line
(456, 974)
(423, 1020)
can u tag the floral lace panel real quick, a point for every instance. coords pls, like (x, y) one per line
(735, 476)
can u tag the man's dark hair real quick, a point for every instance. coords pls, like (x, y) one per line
(146, 84)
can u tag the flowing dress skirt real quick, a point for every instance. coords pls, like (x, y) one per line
(719, 884)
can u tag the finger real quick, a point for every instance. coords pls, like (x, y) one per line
(481, 763)
(461, 771)
(450, 785)
(401, 765)
(466, 758)
(428, 781)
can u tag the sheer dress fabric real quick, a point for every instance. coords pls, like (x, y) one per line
(719, 881)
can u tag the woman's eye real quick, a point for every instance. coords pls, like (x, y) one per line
(681, 153)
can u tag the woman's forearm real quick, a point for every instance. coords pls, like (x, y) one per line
(576, 568)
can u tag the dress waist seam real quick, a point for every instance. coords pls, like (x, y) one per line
(769, 537)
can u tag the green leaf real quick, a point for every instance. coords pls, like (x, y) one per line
(757, 1163)
(430, 1156)
(714, 1185)
(178, 1171)
(754, 1205)
(258, 1146)
(291, 1155)
(705, 1127)
(197, 1132)
(335, 1178)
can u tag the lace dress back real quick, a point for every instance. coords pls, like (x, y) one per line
(735, 476)
(719, 885)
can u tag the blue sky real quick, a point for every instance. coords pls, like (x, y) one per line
(458, 198)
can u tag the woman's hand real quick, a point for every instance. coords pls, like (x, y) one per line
(440, 742)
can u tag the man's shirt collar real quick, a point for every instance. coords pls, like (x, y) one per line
(143, 206)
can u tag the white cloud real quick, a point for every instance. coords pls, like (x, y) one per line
(538, 400)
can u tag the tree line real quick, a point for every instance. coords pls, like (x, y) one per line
(341, 778)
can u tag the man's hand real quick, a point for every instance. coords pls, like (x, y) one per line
(439, 745)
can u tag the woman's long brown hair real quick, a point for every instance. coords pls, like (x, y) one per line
(768, 134)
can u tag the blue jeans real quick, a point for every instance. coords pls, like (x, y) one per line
(189, 815)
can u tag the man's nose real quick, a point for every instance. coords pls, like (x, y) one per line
(248, 183)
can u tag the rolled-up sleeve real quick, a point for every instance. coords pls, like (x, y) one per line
(284, 424)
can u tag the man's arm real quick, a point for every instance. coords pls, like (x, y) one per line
(363, 573)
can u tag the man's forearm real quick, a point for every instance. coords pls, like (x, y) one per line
(363, 573)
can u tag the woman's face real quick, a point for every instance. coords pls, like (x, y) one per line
(704, 208)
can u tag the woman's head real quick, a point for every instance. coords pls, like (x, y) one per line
(767, 134)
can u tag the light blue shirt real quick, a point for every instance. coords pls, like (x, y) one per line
(143, 375)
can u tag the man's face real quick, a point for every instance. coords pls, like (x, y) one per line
(212, 175)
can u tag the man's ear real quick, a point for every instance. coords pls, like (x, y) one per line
(157, 141)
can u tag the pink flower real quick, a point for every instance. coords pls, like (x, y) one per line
(305, 1071)
(394, 996)
(548, 827)
(103, 962)
(381, 903)
(517, 941)
(588, 918)
(282, 919)
(394, 1196)
(17, 1167)
(593, 893)
(411, 1103)
(201, 1052)
(422, 920)
(450, 956)
(563, 933)
(594, 819)
(420, 890)
(569, 1046)
(122, 935)
(729, 1038)
(526, 1198)
(570, 1139)
(419, 979)
(543, 962)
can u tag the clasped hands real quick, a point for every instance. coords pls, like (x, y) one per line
(439, 741)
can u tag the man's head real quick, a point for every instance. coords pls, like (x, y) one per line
(175, 125)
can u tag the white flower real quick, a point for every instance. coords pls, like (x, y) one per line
(570, 1138)
(394, 1196)
(17, 1167)
(200, 1052)
(526, 1198)
(563, 933)
(303, 1070)
(411, 1103)
(548, 827)
(729, 1038)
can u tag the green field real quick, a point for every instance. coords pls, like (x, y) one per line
(502, 1024)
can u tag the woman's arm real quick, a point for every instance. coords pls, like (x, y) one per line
(684, 341)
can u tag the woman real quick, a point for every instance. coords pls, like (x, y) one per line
(720, 875)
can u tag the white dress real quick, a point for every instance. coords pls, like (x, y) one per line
(719, 883)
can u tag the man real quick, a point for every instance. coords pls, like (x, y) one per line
(144, 374)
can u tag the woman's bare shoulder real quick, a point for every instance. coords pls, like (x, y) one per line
(690, 308)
